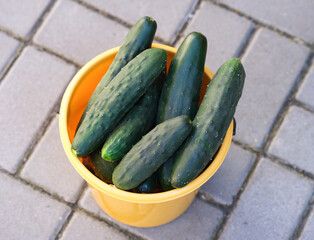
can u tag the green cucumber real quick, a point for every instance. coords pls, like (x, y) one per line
(136, 123)
(102, 169)
(139, 38)
(164, 174)
(117, 99)
(149, 185)
(181, 91)
(210, 123)
(151, 152)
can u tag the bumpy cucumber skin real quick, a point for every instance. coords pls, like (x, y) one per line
(149, 185)
(117, 98)
(139, 38)
(102, 169)
(210, 124)
(181, 91)
(151, 152)
(136, 123)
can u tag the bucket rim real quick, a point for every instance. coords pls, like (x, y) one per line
(108, 188)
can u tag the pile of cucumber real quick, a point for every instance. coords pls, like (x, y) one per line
(142, 129)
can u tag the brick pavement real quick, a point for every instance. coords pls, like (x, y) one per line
(264, 188)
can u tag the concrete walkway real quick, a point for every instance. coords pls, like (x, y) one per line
(265, 187)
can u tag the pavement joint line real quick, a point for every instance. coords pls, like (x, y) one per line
(40, 133)
(28, 40)
(203, 196)
(186, 20)
(109, 223)
(287, 103)
(11, 62)
(303, 105)
(247, 40)
(289, 166)
(266, 25)
(56, 54)
(114, 18)
(73, 207)
(218, 231)
(11, 34)
(38, 188)
(304, 218)
(245, 146)
(36, 139)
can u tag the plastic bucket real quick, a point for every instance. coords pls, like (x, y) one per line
(140, 210)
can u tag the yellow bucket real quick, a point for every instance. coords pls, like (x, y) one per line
(135, 209)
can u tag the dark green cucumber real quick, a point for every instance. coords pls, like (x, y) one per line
(151, 152)
(102, 169)
(181, 91)
(210, 123)
(116, 100)
(149, 185)
(139, 38)
(136, 123)
(164, 174)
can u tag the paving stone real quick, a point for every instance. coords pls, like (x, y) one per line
(168, 14)
(295, 139)
(83, 227)
(270, 75)
(27, 96)
(308, 232)
(305, 93)
(294, 17)
(271, 205)
(20, 16)
(228, 179)
(49, 166)
(198, 222)
(8, 46)
(28, 214)
(78, 32)
(224, 30)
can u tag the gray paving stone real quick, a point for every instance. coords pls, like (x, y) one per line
(27, 95)
(270, 206)
(79, 33)
(8, 46)
(270, 75)
(28, 214)
(83, 227)
(224, 30)
(295, 139)
(49, 166)
(198, 222)
(305, 93)
(20, 16)
(168, 14)
(308, 232)
(295, 17)
(228, 179)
